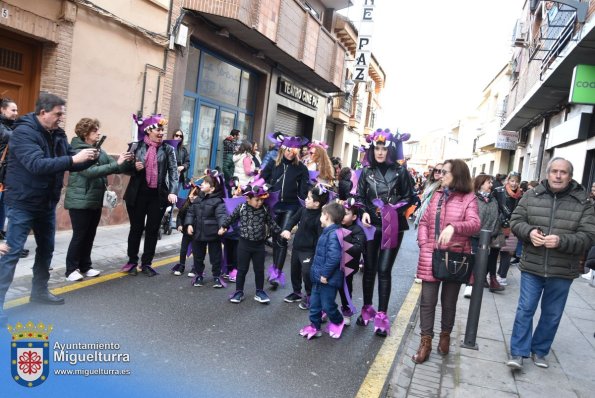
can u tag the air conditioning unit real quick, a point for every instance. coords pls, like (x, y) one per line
(519, 38)
(370, 86)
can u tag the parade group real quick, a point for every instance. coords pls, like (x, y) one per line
(343, 220)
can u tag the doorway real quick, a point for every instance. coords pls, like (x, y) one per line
(20, 70)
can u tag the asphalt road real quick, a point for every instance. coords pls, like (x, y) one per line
(190, 340)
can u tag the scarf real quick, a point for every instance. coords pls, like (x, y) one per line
(151, 162)
(484, 195)
(515, 195)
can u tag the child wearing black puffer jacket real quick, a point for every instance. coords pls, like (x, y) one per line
(178, 269)
(304, 244)
(203, 220)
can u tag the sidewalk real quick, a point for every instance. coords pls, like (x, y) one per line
(483, 373)
(109, 254)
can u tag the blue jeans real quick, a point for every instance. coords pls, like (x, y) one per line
(553, 293)
(20, 222)
(2, 212)
(323, 299)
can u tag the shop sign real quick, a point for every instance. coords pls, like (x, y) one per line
(507, 140)
(363, 54)
(297, 93)
(582, 90)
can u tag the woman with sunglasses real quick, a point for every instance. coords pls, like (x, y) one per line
(432, 184)
(182, 157)
(454, 209)
(382, 186)
(320, 162)
(153, 186)
(288, 176)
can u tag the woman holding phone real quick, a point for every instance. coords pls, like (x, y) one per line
(84, 198)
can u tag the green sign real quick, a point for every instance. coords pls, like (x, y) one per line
(582, 90)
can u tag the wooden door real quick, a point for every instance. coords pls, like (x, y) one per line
(20, 69)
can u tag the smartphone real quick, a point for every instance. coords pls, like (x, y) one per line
(132, 146)
(100, 142)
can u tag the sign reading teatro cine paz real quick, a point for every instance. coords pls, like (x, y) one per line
(297, 93)
(582, 90)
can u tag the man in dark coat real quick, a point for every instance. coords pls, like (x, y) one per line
(39, 156)
(556, 223)
(230, 146)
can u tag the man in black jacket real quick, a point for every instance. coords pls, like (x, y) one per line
(39, 156)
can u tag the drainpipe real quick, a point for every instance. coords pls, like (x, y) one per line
(546, 129)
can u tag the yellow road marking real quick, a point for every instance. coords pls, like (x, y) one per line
(375, 380)
(88, 282)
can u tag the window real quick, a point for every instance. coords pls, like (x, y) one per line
(312, 11)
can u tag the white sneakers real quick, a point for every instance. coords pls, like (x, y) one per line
(467, 292)
(92, 272)
(76, 276)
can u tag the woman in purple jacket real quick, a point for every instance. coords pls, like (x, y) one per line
(459, 220)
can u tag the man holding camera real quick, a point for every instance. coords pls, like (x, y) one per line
(38, 157)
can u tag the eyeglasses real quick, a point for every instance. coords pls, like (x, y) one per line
(437, 170)
(444, 172)
(178, 135)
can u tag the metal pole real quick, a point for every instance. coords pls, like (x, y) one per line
(479, 273)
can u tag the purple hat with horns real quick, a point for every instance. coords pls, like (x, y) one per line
(287, 141)
(151, 122)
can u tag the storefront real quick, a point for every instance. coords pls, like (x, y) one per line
(295, 109)
(219, 96)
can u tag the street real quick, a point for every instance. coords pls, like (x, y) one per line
(190, 340)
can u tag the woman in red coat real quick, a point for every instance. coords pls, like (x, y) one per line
(459, 220)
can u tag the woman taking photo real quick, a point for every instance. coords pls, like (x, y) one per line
(84, 199)
(288, 176)
(456, 206)
(152, 187)
(381, 186)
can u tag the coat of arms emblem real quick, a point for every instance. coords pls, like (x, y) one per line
(29, 353)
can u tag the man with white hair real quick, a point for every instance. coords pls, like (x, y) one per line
(556, 223)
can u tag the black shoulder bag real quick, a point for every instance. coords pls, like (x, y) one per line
(450, 265)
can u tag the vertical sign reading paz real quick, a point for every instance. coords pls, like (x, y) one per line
(363, 54)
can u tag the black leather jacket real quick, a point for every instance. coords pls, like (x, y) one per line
(392, 187)
(167, 174)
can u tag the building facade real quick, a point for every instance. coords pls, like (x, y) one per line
(551, 38)
(258, 66)
(107, 59)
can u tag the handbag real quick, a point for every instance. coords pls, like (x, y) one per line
(110, 198)
(450, 265)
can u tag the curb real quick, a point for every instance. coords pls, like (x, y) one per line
(376, 382)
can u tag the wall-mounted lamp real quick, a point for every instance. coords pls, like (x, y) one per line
(222, 32)
(349, 85)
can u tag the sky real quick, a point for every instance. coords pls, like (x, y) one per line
(438, 56)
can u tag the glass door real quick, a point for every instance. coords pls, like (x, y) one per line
(204, 140)
(227, 121)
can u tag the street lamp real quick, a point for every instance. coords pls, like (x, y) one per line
(349, 85)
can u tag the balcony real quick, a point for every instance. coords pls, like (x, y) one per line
(283, 31)
(342, 108)
(355, 119)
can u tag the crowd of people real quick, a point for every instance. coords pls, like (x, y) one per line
(338, 221)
